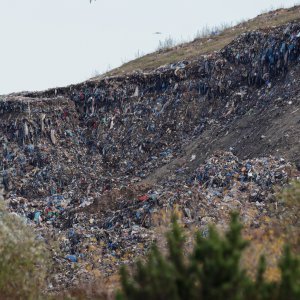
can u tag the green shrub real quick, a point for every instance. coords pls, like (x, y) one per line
(22, 259)
(290, 198)
(211, 272)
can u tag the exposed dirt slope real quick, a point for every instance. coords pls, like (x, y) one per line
(270, 130)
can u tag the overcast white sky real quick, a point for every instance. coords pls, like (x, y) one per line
(49, 43)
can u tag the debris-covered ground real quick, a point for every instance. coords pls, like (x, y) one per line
(93, 167)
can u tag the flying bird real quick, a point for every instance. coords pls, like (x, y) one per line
(157, 32)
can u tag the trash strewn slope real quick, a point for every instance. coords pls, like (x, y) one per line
(93, 166)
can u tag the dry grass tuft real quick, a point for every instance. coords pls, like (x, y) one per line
(206, 44)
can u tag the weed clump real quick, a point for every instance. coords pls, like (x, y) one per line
(22, 259)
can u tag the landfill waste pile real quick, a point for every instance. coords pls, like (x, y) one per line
(92, 166)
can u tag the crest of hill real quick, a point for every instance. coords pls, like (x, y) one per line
(206, 45)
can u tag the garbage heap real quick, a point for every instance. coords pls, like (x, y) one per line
(42, 149)
(140, 121)
(74, 160)
(89, 241)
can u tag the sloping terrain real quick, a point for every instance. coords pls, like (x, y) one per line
(206, 44)
(93, 167)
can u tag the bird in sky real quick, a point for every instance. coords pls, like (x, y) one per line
(157, 32)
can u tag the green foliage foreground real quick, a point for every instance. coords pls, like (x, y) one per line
(22, 259)
(213, 271)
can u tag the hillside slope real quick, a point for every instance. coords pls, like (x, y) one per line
(94, 166)
(205, 45)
